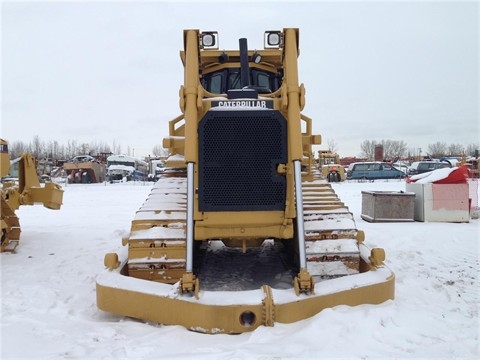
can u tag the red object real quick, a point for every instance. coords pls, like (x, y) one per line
(457, 176)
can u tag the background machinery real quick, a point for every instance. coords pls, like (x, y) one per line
(240, 205)
(330, 167)
(85, 169)
(26, 190)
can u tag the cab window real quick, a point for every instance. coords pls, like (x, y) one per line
(219, 82)
(234, 80)
(216, 83)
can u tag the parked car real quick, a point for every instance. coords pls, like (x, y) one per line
(373, 171)
(401, 166)
(420, 167)
(82, 158)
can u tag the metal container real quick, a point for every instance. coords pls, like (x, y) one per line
(388, 206)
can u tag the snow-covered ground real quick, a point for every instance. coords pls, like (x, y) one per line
(49, 303)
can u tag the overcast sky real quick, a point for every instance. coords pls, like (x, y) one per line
(110, 72)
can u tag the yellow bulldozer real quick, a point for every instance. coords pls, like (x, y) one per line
(330, 167)
(24, 190)
(241, 230)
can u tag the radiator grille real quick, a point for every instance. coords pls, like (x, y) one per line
(239, 151)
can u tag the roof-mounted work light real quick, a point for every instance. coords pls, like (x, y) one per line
(256, 57)
(273, 39)
(209, 39)
(223, 58)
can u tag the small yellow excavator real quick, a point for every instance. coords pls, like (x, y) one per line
(26, 191)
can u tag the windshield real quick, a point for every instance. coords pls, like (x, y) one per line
(126, 163)
(219, 82)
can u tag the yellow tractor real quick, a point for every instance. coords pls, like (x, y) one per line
(330, 167)
(241, 231)
(26, 190)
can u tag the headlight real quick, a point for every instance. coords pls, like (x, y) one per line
(208, 39)
(273, 39)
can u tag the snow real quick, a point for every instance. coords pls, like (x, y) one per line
(432, 176)
(49, 302)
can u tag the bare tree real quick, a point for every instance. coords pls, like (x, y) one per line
(471, 148)
(17, 148)
(37, 147)
(437, 150)
(456, 149)
(393, 149)
(83, 149)
(368, 149)
(71, 149)
(332, 145)
(53, 150)
(61, 154)
(96, 147)
(159, 151)
(116, 148)
(101, 148)
(56, 150)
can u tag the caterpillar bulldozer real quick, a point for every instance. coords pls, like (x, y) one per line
(26, 191)
(241, 231)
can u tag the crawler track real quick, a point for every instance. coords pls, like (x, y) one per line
(157, 249)
(157, 242)
(331, 236)
(10, 229)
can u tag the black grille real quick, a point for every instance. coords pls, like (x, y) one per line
(239, 151)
